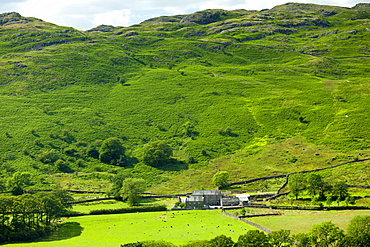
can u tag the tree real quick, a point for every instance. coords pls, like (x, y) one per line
(253, 238)
(18, 182)
(326, 234)
(63, 166)
(111, 150)
(131, 190)
(220, 179)
(316, 186)
(157, 153)
(156, 243)
(302, 240)
(280, 238)
(296, 184)
(52, 207)
(117, 184)
(338, 201)
(352, 200)
(220, 241)
(340, 190)
(329, 200)
(64, 196)
(6, 204)
(358, 231)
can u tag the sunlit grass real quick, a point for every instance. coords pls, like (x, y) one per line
(302, 221)
(178, 227)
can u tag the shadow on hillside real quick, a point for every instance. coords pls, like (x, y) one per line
(175, 165)
(129, 162)
(65, 231)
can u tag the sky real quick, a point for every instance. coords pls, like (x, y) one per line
(86, 14)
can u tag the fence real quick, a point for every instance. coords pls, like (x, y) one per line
(258, 179)
(359, 186)
(286, 175)
(93, 200)
(248, 222)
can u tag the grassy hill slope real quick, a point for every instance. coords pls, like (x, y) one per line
(246, 80)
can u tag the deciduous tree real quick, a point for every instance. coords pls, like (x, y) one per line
(340, 190)
(131, 190)
(221, 241)
(316, 186)
(280, 238)
(157, 153)
(111, 150)
(296, 184)
(221, 179)
(326, 234)
(253, 238)
(358, 232)
(18, 182)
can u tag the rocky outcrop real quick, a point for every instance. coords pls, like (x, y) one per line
(304, 23)
(103, 28)
(12, 18)
(203, 17)
(362, 6)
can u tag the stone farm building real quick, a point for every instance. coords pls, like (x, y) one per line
(213, 199)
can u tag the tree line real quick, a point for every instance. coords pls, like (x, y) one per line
(319, 190)
(30, 216)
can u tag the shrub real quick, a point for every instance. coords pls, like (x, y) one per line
(38, 142)
(70, 151)
(63, 166)
(80, 163)
(138, 244)
(156, 243)
(47, 157)
(161, 127)
(81, 144)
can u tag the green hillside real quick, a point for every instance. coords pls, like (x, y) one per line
(256, 93)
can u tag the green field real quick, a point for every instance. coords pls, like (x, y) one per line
(113, 204)
(178, 227)
(302, 221)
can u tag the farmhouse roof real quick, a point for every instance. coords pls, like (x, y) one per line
(230, 199)
(195, 198)
(243, 197)
(206, 193)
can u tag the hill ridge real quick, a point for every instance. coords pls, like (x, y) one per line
(223, 88)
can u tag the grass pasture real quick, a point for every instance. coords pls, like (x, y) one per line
(113, 204)
(302, 221)
(178, 227)
(87, 207)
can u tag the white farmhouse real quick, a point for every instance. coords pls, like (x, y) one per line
(243, 198)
